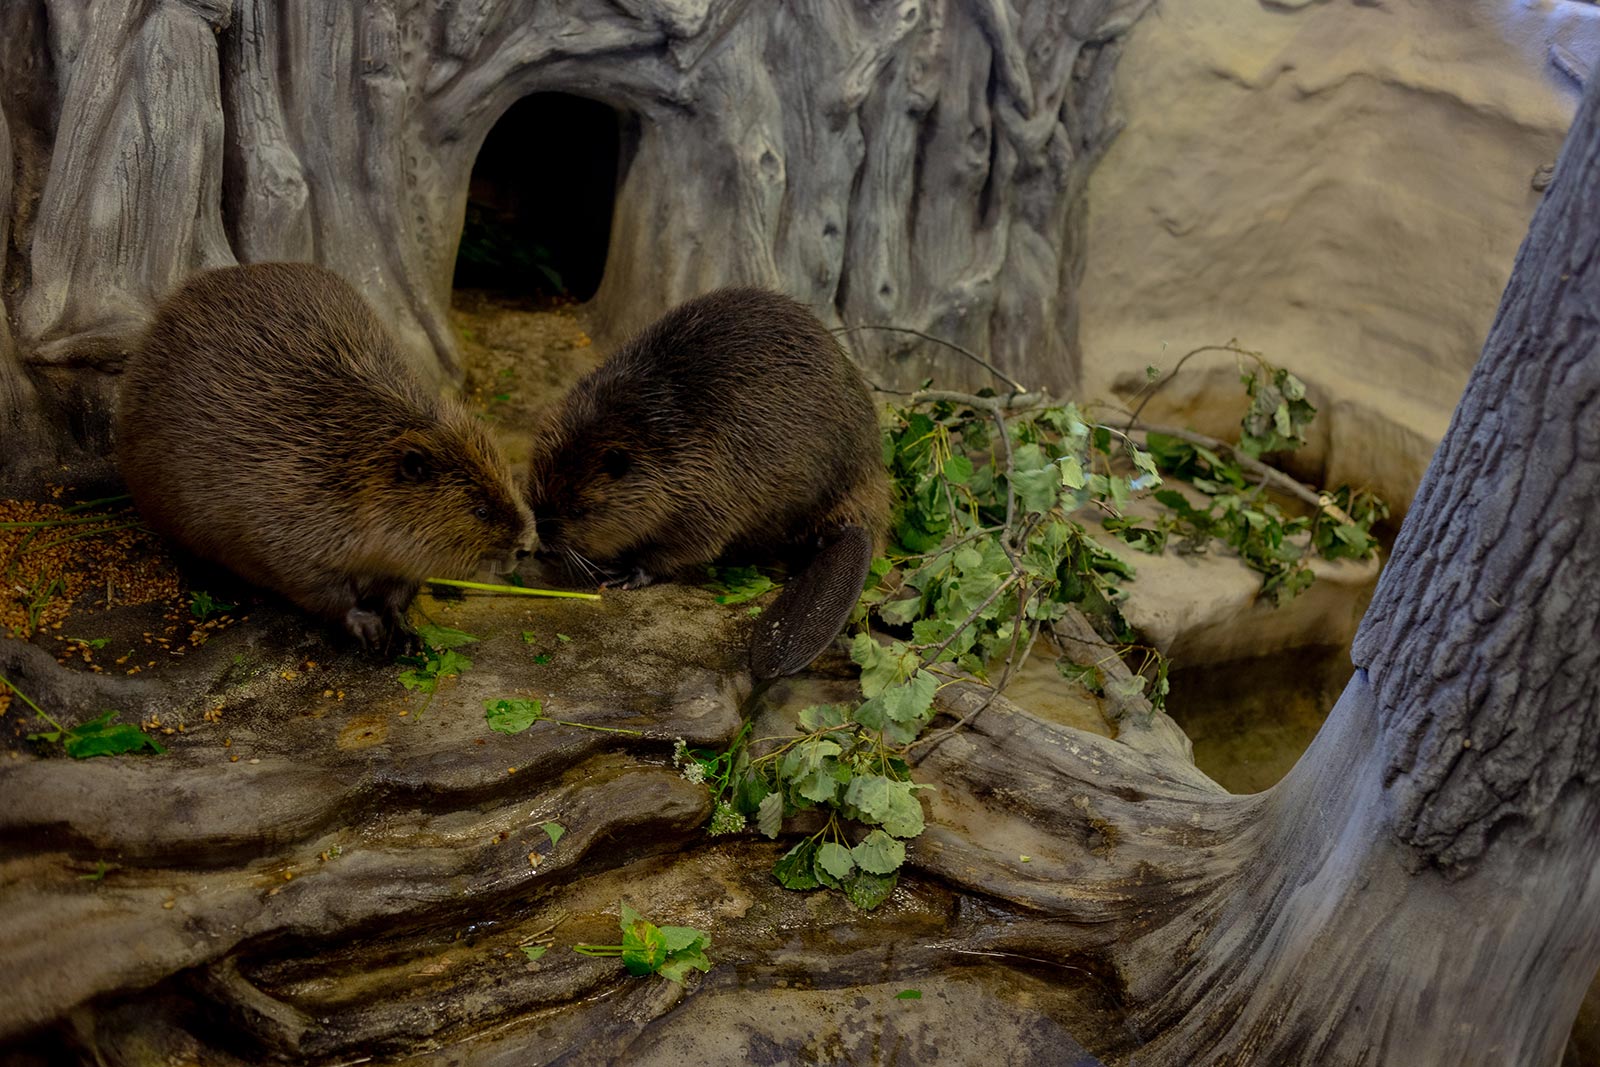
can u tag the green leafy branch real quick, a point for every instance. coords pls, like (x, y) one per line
(670, 951)
(989, 552)
(100, 736)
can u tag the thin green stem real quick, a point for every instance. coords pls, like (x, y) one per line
(514, 590)
(37, 710)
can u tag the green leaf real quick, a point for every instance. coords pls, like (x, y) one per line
(916, 994)
(794, 869)
(534, 952)
(1127, 688)
(911, 701)
(678, 938)
(769, 815)
(512, 716)
(835, 859)
(819, 786)
(878, 853)
(563, 638)
(1071, 472)
(202, 605)
(823, 717)
(735, 585)
(529, 637)
(92, 642)
(677, 969)
(958, 469)
(880, 667)
(891, 804)
(104, 736)
(867, 891)
(443, 637)
(554, 831)
(1085, 674)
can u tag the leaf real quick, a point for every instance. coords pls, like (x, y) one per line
(769, 815)
(867, 891)
(916, 994)
(911, 701)
(202, 605)
(443, 637)
(735, 585)
(958, 469)
(880, 667)
(529, 637)
(512, 716)
(1036, 489)
(644, 949)
(794, 869)
(534, 952)
(679, 938)
(889, 803)
(677, 969)
(819, 786)
(1128, 688)
(92, 642)
(878, 853)
(554, 831)
(1071, 472)
(1085, 674)
(823, 716)
(103, 736)
(835, 859)
(563, 638)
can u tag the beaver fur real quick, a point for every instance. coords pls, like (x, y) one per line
(269, 424)
(735, 423)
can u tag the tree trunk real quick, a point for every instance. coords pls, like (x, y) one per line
(1422, 889)
(916, 164)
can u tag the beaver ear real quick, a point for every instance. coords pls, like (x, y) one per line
(415, 466)
(616, 462)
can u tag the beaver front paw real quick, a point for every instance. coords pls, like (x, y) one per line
(637, 578)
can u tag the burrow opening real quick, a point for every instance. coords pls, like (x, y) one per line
(540, 200)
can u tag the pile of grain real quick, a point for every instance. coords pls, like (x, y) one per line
(61, 563)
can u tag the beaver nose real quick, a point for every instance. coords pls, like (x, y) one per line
(523, 553)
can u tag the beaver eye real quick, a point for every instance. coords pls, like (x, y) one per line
(482, 512)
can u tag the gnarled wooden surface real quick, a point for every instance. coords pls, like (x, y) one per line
(918, 163)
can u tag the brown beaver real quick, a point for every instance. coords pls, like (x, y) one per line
(268, 423)
(735, 422)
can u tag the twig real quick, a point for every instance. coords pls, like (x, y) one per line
(1154, 387)
(1013, 664)
(979, 360)
(1269, 475)
(972, 618)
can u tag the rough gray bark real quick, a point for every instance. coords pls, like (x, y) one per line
(1433, 878)
(918, 163)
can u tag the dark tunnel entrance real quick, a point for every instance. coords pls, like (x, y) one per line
(539, 205)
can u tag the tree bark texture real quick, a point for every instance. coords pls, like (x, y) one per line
(918, 163)
(1427, 881)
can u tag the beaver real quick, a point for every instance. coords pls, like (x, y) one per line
(268, 423)
(734, 423)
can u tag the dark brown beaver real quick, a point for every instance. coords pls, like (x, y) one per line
(734, 422)
(268, 424)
